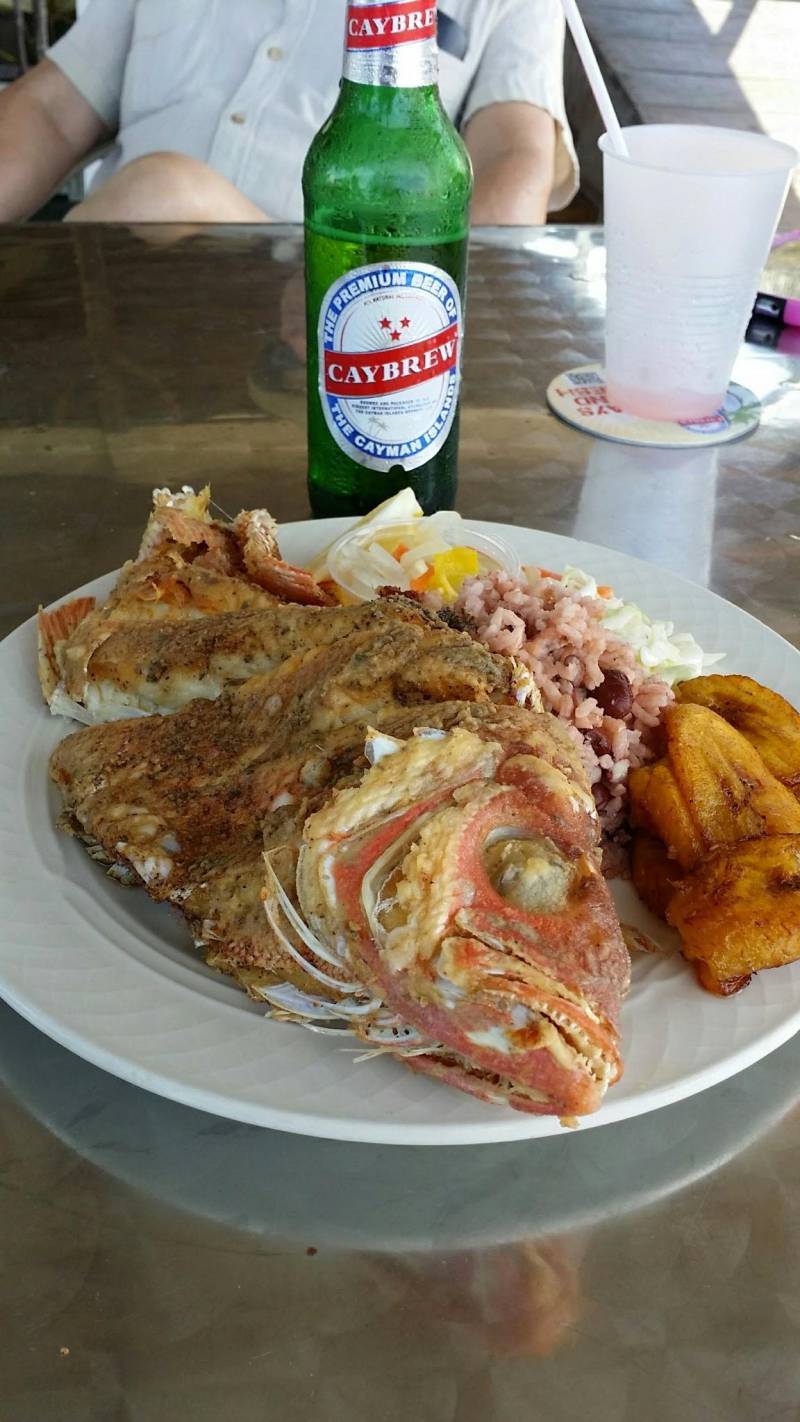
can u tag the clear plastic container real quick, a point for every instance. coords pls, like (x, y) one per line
(690, 214)
(361, 582)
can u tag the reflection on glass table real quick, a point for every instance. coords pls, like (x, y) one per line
(387, 1198)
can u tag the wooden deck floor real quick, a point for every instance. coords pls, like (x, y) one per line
(730, 62)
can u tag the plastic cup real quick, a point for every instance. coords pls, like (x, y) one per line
(690, 215)
(494, 554)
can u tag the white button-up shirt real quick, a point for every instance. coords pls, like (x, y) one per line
(244, 85)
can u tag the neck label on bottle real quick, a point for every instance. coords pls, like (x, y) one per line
(391, 43)
(382, 26)
(390, 362)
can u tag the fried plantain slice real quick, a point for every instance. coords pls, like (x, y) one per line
(655, 876)
(726, 787)
(739, 912)
(658, 807)
(762, 716)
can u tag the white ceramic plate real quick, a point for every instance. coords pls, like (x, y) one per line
(338, 1195)
(112, 976)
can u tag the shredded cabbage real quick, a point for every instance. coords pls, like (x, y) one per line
(663, 652)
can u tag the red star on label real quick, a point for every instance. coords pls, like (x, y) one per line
(385, 323)
(395, 335)
(405, 321)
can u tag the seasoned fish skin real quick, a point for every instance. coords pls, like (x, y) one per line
(207, 781)
(180, 800)
(189, 803)
(387, 662)
(189, 567)
(162, 666)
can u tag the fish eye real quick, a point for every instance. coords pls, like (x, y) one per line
(529, 871)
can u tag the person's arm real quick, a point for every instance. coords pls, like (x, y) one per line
(46, 127)
(53, 117)
(514, 119)
(513, 148)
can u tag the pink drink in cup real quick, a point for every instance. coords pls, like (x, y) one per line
(690, 215)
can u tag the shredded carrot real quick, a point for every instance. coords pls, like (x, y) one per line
(422, 583)
(605, 591)
(400, 551)
(546, 573)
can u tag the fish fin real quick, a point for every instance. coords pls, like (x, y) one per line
(52, 629)
(255, 531)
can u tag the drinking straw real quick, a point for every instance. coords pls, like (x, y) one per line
(599, 88)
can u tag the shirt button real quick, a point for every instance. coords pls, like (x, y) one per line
(237, 118)
(275, 52)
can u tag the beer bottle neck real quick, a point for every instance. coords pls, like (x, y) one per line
(391, 44)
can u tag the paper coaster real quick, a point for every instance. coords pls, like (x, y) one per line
(579, 397)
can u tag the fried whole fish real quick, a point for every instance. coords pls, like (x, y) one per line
(445, 903)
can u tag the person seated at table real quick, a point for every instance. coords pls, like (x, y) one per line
(211, 107)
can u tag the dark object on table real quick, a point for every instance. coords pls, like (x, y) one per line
(777, 308)
(772, 336)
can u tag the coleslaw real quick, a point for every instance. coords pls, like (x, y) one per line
(663, 652)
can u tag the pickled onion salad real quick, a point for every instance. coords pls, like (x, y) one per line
(422, 556)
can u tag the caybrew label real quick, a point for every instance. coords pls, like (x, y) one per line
(391, 43)
(380, 26)
(390, 362)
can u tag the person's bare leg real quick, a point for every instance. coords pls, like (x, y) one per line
(167, 187)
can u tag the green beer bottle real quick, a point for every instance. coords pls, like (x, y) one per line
(387, 185)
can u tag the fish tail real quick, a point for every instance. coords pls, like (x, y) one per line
(53, 628)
